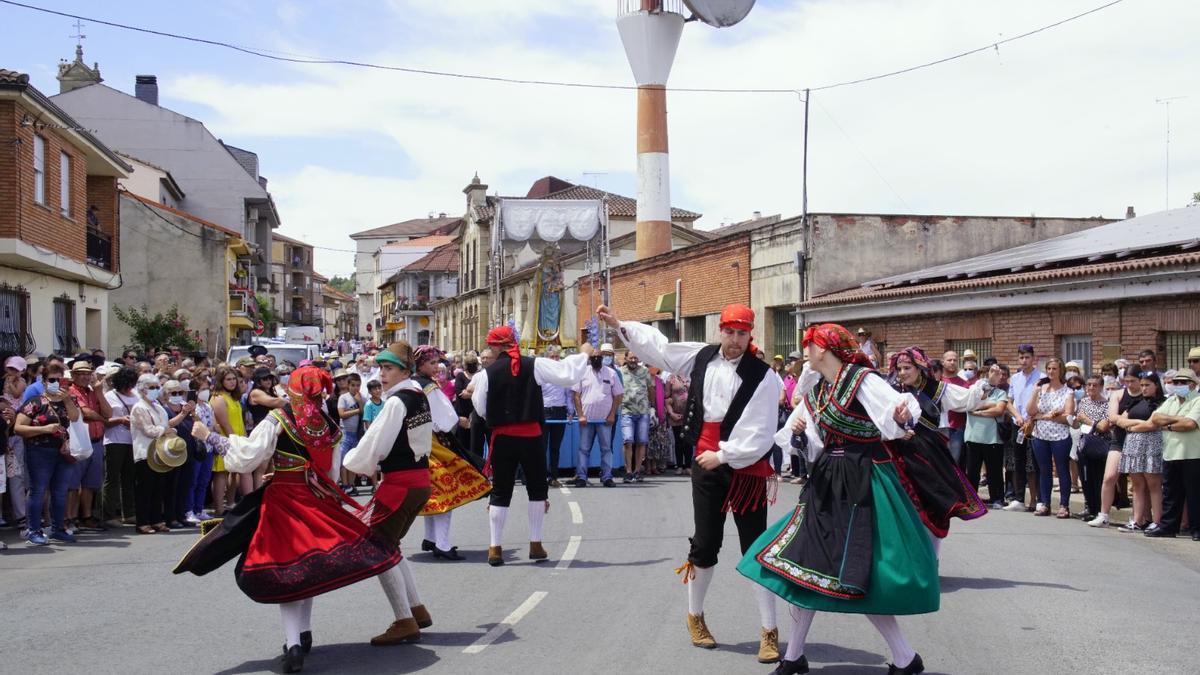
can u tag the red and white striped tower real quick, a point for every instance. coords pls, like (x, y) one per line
(650, 31)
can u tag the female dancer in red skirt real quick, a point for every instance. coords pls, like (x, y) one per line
(295, 538)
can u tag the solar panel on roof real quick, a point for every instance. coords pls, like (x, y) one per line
(1156, 230)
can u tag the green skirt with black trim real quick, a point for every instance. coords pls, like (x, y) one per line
(903, 570)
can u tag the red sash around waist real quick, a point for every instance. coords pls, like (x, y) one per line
(750, 490)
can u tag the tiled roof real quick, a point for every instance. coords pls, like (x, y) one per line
(288, 240)
(441, 259)
(13, 77)
(434, 240)
(1069, 272)
(619, 206)
(416, 227)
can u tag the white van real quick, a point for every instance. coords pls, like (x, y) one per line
(302, 335)
(281, 351)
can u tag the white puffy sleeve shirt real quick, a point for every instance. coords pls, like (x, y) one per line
(876, 396)
(957, 398)
(564, 373)
(243, 454)
(751, 438)
(380, 438)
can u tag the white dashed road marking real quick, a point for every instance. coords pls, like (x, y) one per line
(508, 622)
(576, 514)
(569, 554)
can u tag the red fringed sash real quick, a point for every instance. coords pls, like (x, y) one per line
(751, 488)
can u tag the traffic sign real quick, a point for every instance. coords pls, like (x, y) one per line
(259, 327)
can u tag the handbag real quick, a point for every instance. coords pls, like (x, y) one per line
(1093, 447)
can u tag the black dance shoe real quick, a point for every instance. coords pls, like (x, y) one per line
(306, 641)
(293, 659)
(796, 667)
(427, 545)
(911, 669)
(452, 554)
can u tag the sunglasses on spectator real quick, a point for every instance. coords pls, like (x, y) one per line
(1193, 360)
(153, 388)
(53, 379)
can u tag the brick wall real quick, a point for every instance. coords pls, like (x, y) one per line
(40, 224)
(714, 274)
(102, 193)
(1126, 327)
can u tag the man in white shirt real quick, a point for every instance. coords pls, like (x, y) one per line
(732, 415)
(1021, 386)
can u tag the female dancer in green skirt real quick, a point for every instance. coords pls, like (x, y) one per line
(855, 543)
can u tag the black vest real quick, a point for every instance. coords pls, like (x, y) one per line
(402, 457)
(513, 399)
(749, 369)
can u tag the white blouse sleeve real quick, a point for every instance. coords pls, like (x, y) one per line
(564, 373)
(653, 348)
(880, 400)
(783, 438)
(479, 394)
(377, 442)
(962, 399)
(142, 420)
(444, 417)
(245, 453)
(751, 438)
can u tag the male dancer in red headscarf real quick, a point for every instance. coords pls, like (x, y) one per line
(732, 411)
(508, 394)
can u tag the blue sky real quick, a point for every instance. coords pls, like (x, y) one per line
(1064, 123)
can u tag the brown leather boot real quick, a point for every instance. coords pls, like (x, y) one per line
(402, 631)
(495, 556)
(536, 552)
(421, 616)
(701, 637)
(768, 646)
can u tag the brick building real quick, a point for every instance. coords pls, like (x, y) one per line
(1091, 296)
(59, 225)
(711, 275)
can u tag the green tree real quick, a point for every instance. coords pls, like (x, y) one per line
(343, 284)
(159, 331)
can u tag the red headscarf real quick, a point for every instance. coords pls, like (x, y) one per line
(502, 338)
(739, 317)
(306, 390)
(916, 356)
(838, 340)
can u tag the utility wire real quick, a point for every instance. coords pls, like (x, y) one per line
(280, 56)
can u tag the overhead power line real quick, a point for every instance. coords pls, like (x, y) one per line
(316, 60)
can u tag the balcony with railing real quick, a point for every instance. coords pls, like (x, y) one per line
(99, 248)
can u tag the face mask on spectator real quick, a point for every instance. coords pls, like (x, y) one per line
(53, 387)
(176, 399)
(203, 395)
(283, 379)
(1180, 390)
(607, 360)
(1079, 393)
(153, 394)
(968, 373)
(1109, 380)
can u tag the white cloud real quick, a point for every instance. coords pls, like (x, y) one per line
(1062, 123)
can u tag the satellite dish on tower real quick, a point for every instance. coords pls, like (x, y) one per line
(720, 13)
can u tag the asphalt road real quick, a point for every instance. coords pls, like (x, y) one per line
(1020, 595)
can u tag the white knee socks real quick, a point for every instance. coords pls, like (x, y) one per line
(430, 529)
(537, 516)
(393, 587)
(902, 653)
(698, 588)
(496, 517)
(766, 607)
(441, 529)
(801, 621)
(292, 614)
(306, 615)
(410, 584)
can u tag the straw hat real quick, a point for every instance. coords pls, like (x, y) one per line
(167, 453)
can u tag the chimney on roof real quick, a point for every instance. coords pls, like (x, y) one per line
(145, 88)
(262, 181)
(1129, 213)
(757, 215)
(476, 192)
